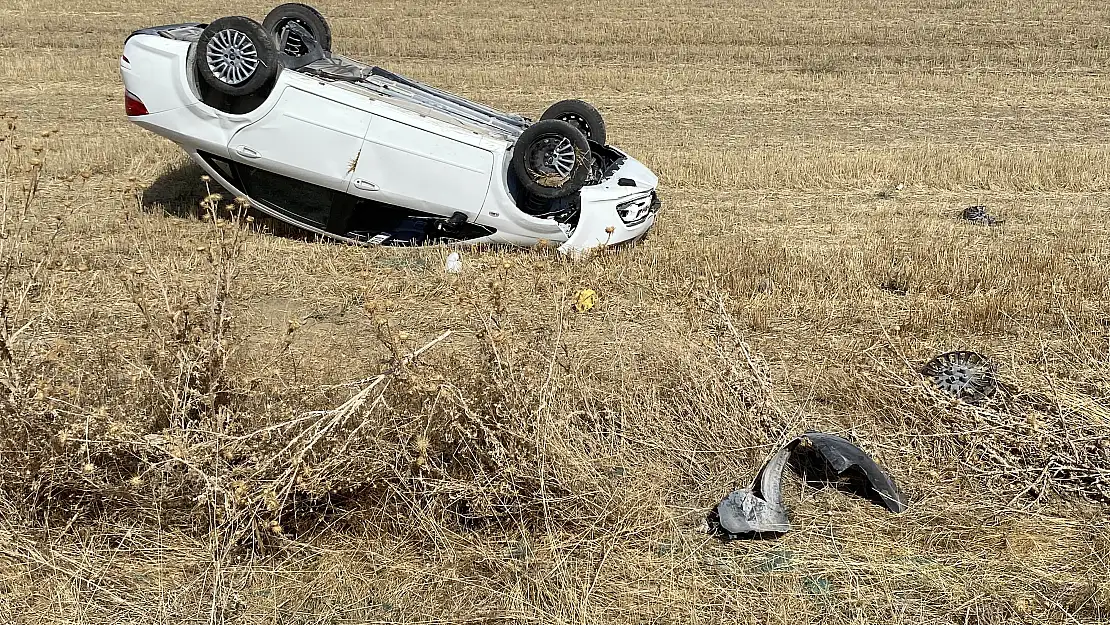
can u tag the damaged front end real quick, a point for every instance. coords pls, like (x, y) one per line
(758, 510)
(620, 209)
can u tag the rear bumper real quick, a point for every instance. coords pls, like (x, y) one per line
(189, 31)
(155, 70)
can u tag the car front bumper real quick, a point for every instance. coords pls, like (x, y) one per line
(620, 210)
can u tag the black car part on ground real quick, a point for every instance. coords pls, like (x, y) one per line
(758, 510)
(978, 214)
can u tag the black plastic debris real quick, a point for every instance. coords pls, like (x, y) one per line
(897, 286)
(758, 511)
(962, 374)
(978, 214)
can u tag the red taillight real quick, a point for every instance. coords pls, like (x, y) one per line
(133, 105)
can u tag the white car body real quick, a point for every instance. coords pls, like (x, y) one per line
(379, 138)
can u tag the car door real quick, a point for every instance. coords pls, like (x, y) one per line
(300, 153)
(407, 165)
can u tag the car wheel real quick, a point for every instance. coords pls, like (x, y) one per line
(580, 114)
(551, 159)
(235, 56)
(277, 24)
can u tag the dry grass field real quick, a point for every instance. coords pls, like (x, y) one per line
(204, 421)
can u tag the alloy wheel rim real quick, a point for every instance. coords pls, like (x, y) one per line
(553, 155)
(232, 56)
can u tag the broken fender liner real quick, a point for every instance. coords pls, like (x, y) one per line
(758, 509)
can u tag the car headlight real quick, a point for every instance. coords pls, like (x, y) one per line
(636, 210)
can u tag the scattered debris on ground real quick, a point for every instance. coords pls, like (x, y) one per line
(585, 299)
(966, 375)
(978, 214)
(895, 286)
(453, 264)
(758, 510)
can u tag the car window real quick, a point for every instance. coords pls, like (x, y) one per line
(301, 200)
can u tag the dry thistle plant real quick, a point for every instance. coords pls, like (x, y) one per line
(27, 372)
(1031, 443)
(177, 437)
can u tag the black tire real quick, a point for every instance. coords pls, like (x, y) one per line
(551, 159)
(308, 17)
(580, 114)
(235, 56)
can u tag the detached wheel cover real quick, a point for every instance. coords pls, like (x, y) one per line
(963, 374)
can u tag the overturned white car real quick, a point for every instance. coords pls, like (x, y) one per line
(361, 154)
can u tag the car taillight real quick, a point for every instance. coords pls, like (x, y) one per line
(133, 105)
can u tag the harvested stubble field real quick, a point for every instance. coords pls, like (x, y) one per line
(171, 446)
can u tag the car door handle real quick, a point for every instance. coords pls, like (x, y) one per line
(365, 185)
(246, 152)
